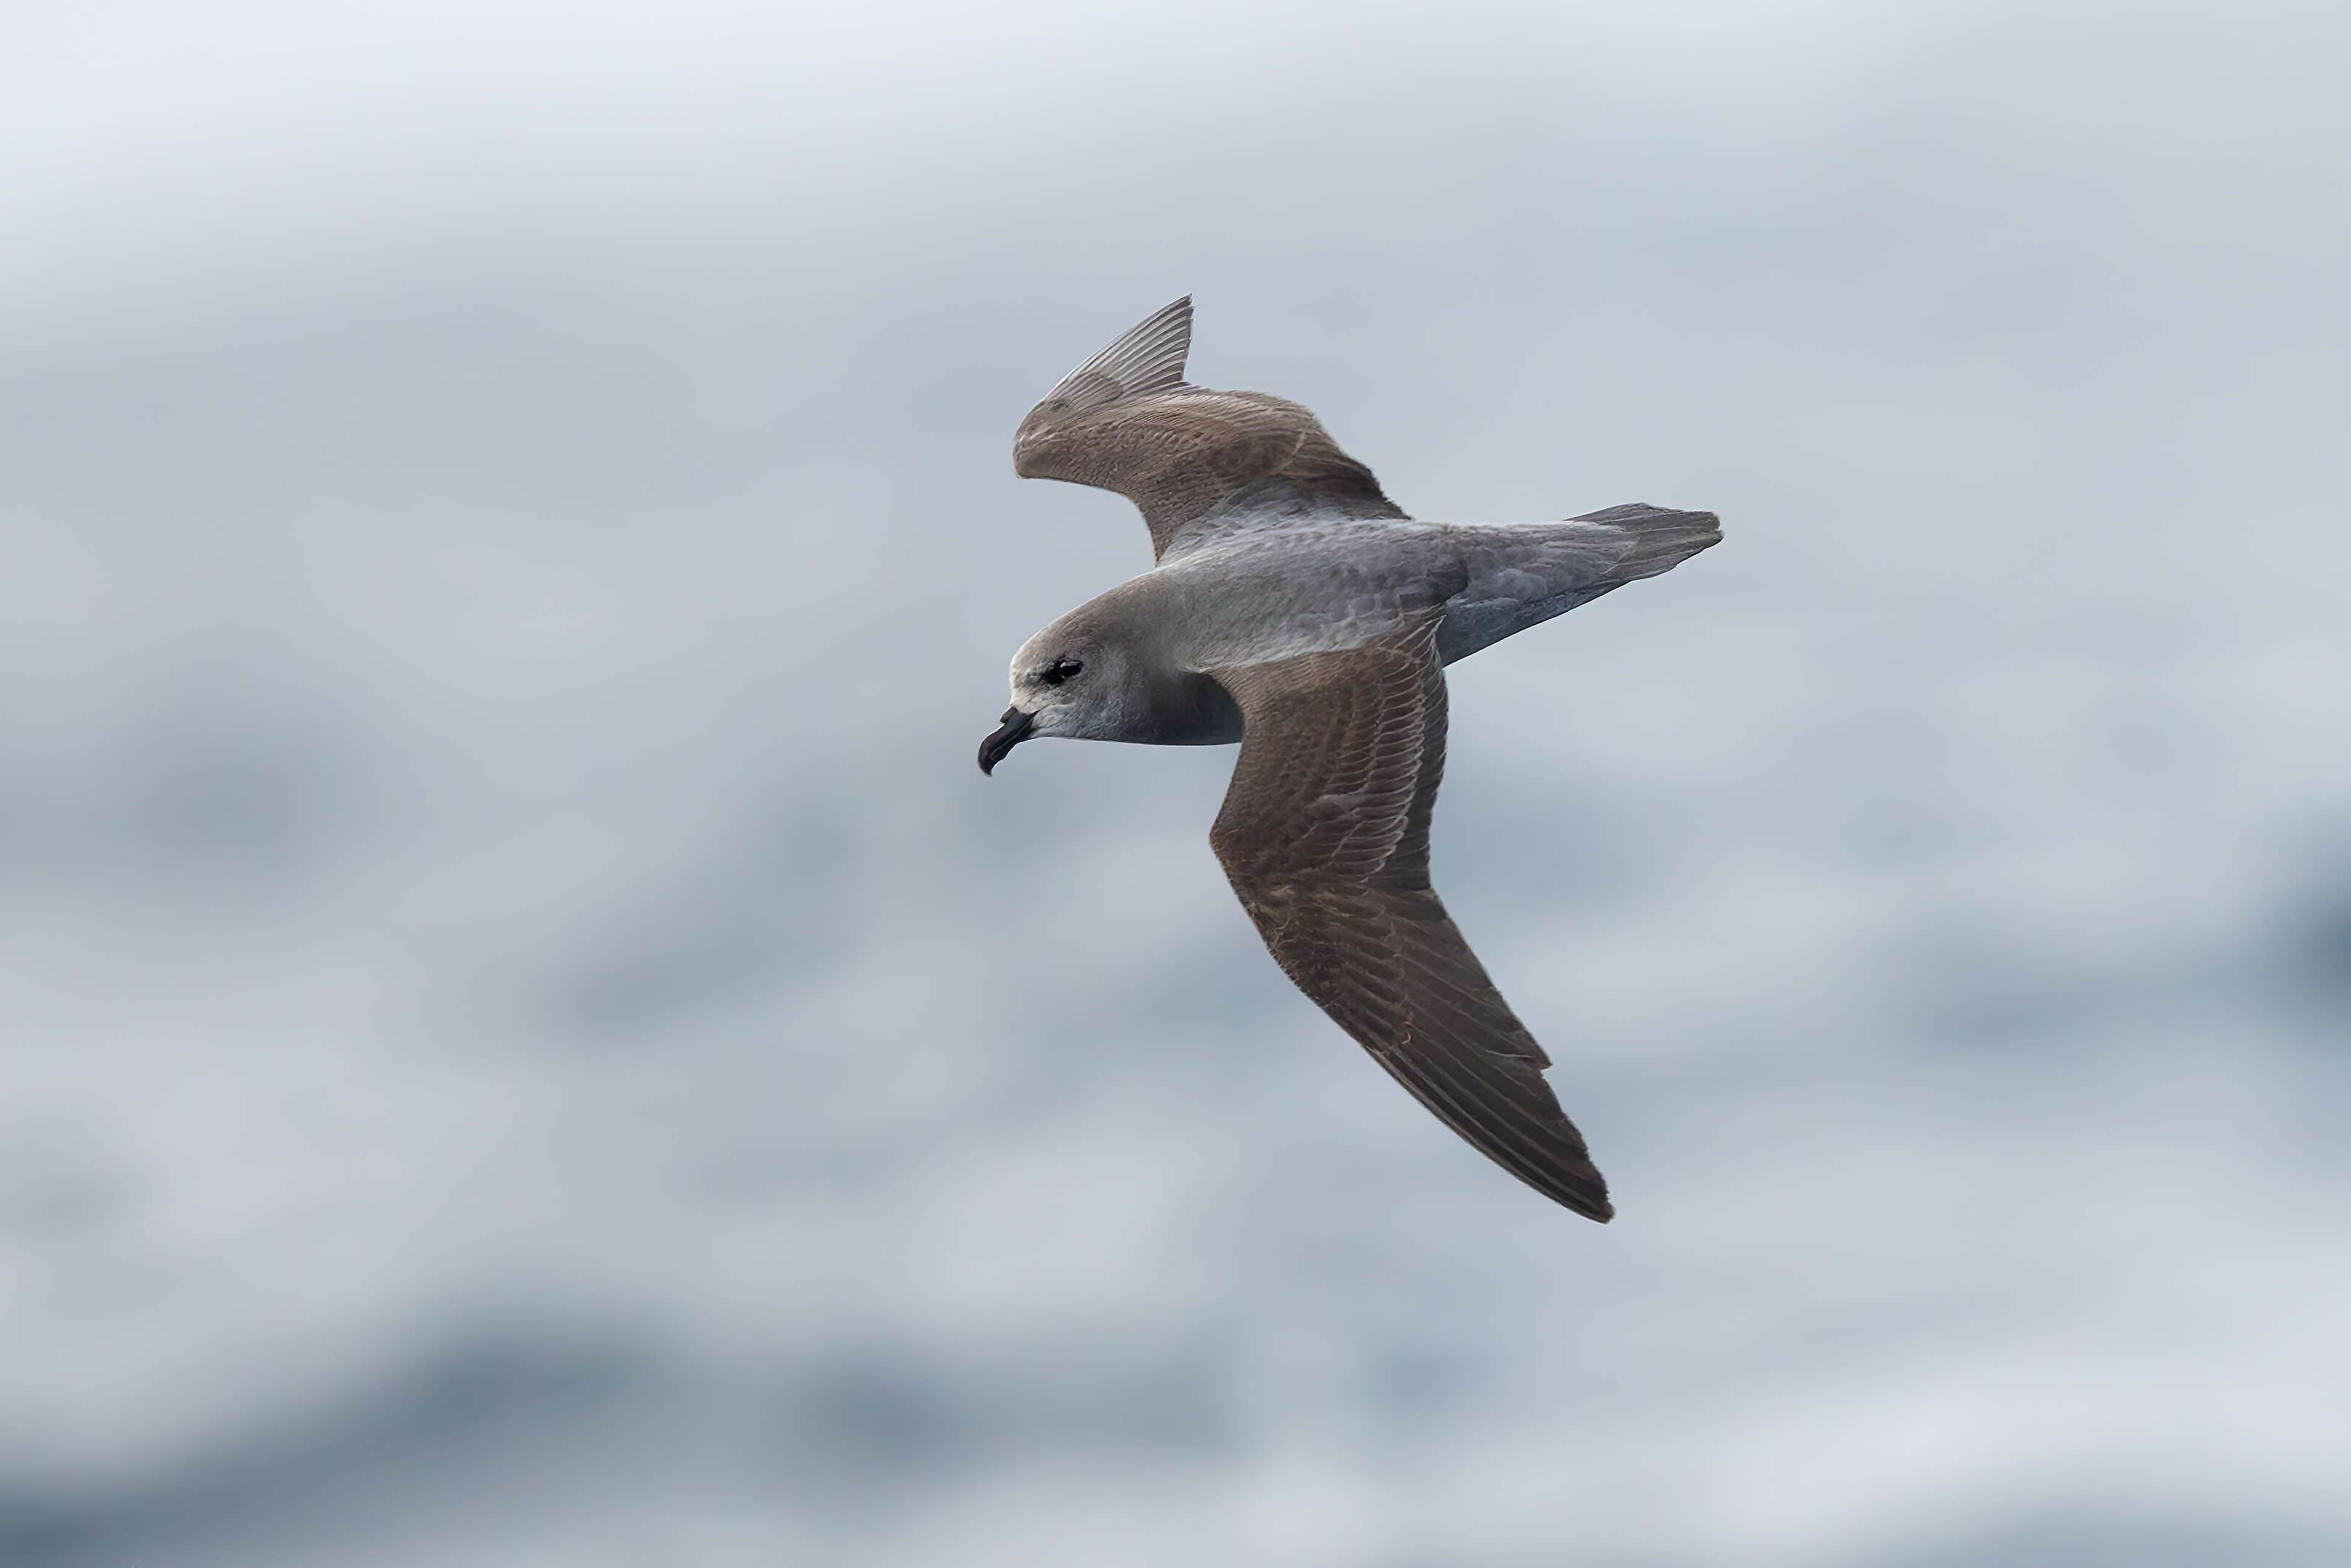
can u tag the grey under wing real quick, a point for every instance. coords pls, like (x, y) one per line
(1324, 835)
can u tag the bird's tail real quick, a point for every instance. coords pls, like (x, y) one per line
(1521, 575)
(1661, 538)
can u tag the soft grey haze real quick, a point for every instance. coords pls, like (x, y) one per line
(531, 1044)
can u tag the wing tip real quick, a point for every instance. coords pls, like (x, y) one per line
(1583, 1192)
(1148, 357)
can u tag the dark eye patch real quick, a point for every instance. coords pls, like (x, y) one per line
(1061, 670)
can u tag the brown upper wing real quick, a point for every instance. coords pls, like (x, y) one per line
(1127, 421)
(1324, 835)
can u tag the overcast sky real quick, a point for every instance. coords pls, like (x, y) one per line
(530, 1041)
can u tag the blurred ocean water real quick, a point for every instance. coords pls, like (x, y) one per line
(531, 1043)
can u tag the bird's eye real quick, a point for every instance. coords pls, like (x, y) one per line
(1061, 670)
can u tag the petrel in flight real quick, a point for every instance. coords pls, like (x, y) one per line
(1296, 609)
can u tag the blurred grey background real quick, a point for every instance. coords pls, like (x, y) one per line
(529, 1042)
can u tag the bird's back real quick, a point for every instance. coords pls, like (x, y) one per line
(1308, 584)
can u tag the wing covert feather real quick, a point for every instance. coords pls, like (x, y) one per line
(1127, 421)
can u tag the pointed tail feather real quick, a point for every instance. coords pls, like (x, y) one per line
(1523, 575)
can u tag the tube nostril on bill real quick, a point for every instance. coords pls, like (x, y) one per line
(1003, 737)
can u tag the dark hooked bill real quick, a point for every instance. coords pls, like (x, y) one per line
(1007, 735)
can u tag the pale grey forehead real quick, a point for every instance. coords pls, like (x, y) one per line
(1039, 651)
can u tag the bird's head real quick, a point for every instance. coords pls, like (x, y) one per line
(1069, 680)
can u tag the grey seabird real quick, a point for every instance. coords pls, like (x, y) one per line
(1296, 609)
